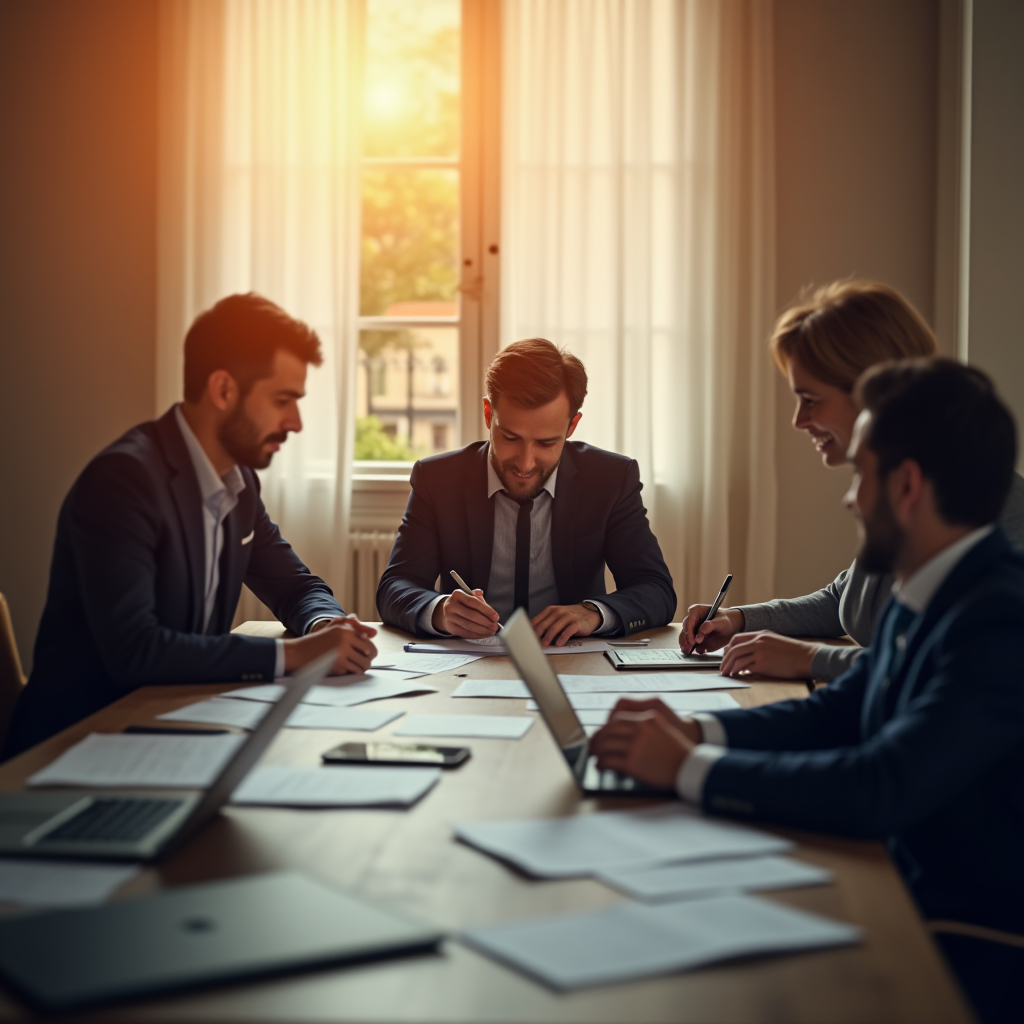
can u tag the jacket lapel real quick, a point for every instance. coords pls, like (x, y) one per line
(563, 518)
(479, 523)
(187, 501)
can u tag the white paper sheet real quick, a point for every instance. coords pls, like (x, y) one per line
(243, 714)
(423, 664)
(631, 940)
(60, 883)
(335, 786)
(247, 714)
(648, 684)
(587, 844)
(734, 874)
(370, 686)
(497, 727)
(174, 762)
(491, 688)
(684, 703)
(493, 647)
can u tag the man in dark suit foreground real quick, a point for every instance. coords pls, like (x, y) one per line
(161, 529)
(528, 519)
(922, 741)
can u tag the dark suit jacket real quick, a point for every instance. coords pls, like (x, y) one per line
(597, 517)
(125, 602)
(927, 752)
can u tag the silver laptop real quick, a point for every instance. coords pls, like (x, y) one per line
(138, 825)
(562, 721)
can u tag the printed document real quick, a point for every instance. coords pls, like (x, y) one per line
(492, 646)
(172, 762)
(631, 940)
(247, 714)
(588, 844)
(684, 703)
(646, 685)
(367, 687)
(494, 727)
(335, 786)
(422, 664)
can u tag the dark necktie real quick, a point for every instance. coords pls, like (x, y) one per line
(522, 591)
(893, 640)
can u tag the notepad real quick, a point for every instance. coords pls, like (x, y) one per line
(51, 883)
(335, 786)
(630, 940)
(588, 844)
(493, 727)
(172, 762)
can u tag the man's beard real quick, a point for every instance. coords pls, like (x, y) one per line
(883, 538)
(521, 490)
(241, 440)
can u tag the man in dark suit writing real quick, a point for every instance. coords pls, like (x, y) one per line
(922, 741)
(161, 529)
(528, 519)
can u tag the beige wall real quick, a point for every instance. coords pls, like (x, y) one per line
(77, 260)
(855, 169)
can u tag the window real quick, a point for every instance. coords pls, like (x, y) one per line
(430, 87)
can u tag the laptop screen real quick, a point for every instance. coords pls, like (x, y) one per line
(535, 667)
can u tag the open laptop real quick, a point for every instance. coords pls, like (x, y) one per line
(139, 825)
(557, 711)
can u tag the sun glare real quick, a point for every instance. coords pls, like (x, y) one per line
(385, 99)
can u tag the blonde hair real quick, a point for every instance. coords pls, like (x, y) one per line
(841, 329)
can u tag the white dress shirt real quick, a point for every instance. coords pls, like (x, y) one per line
(219, 496)
(916, 594)
(501, 582)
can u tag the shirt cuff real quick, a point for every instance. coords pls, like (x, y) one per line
(322, 618)
(712, 730)
(425, 623)
(609, 620)
(279, 659)
(694, 771)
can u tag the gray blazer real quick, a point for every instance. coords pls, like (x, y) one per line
(852, 602)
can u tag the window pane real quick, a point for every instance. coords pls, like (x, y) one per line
(412, 78)
(407, 398)
(410, 239)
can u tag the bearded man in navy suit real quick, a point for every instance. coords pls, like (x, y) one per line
(158, 534)
(921, 743)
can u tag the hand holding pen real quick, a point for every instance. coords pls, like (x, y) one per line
(465, 613)
(701, 628)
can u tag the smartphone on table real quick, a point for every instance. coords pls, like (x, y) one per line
(396, 753)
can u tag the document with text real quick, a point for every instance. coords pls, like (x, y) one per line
(335, 786)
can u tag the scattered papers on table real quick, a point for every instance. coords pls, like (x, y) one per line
(491, 688)
(60, 883)
(631, 940)
(367, 687)
(492, 646)
(246, 714)
(423, 664)
(497, 727)
(589, 844)
(650, 684)
(735, 874)
(344, 786)
(684, 703)
(189, 762)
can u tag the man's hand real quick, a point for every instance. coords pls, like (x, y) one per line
(767, 654)
(464, 615)
(645, 740)
(714, 633)
(345, 635)
(559, 622)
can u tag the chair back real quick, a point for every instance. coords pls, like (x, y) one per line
(12, 678)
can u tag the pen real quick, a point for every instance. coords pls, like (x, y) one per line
(629, 643)
(714, 608)
(461, 582)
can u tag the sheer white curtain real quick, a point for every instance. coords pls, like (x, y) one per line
(259, 191)
(638, 230)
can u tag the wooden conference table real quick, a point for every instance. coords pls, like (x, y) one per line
(409, 859)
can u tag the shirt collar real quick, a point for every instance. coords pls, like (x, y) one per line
(494, 483)
(916, 593)
(210, 484)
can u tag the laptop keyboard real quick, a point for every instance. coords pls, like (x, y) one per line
(112, 821)
(607, 781)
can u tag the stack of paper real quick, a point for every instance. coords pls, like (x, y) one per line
(590, 844)
(247, 714)
(630, 940)
(335, 786)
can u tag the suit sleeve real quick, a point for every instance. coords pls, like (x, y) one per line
(407, 585)
(115, 535)
(644, 596)
(966, 718)
(278, 577)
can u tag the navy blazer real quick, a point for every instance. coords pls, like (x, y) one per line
(597, 517)
(125, 604)
(926, 752)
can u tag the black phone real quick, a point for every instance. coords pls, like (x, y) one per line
(396, 753)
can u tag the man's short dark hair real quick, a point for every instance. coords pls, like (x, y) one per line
(947, 418)
(240, 334)
(533, 373)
